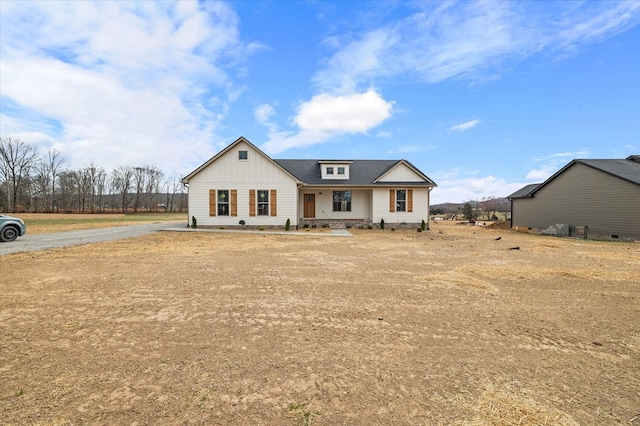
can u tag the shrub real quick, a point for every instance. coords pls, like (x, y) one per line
(423, 225)
(382, 224)
(194, 222)
(287, 225)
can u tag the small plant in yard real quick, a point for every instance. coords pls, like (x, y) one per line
(287, 225)
(382, 224)
(194, 222)
(300, 411)
(242, 223)
(423, 225)
(201, 397)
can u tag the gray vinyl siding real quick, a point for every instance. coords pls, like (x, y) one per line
(580, 196)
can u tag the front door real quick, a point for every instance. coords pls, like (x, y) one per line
(309, 206)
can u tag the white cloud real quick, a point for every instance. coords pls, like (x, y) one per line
(472, 40)
(264, 113)
(355, 113)
(122, 83)
(456, 186)
(325, 116)
(551, 163)
(540, 175)
(465, 126)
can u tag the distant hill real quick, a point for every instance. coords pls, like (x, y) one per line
(482, 207)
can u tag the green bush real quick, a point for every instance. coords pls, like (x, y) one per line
(423, 225)
(287, 225)
(194, 222)
(382, 224)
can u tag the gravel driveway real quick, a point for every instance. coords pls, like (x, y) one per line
(72, 238)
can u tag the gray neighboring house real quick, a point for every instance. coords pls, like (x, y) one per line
(603, 195)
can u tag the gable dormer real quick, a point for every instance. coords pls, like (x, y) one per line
(334, 169)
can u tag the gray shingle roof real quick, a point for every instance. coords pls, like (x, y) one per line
(524, 191)
(628, 169)
(361, 172)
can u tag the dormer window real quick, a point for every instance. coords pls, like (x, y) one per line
(335, 169)
(243, 155)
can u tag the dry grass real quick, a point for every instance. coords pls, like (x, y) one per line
(509, 406)
(442, 327)
(41, 223)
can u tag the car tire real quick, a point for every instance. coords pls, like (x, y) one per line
(8, 234)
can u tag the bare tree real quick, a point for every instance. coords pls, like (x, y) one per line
(489, 206)
(154, 176)
(122, 179)
(139, 177)
(99, 179)
(84, 188)
(68, 194)
(54, 162)
(16, 161)
(41, 182)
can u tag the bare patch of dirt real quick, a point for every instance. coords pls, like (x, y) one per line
(445, 327)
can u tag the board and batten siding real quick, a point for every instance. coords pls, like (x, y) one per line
(228, 172)
(381, 210)
(401, 173)
(580, 196)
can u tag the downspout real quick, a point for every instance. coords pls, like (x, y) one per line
(188, 204)
(429, 206)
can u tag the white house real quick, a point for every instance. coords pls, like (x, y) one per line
(242, 183)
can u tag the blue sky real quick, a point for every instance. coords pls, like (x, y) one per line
(483, 97)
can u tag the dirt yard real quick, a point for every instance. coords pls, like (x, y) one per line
(448, 326)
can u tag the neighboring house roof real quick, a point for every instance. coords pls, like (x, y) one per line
(628, 170)
(524, 191)
(361, 172)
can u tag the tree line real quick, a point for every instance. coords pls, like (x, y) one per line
(42, 184)
(488, 208)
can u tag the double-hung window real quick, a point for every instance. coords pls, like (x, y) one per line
(223, 202)
(341, 201)
(401, 200)
(263, 202)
